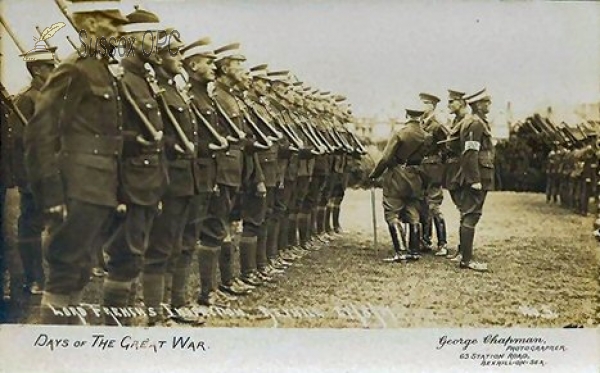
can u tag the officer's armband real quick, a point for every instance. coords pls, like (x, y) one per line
(472, 145)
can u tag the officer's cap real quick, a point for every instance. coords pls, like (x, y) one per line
(40, 55)
(228, 52)
(455, 95)
(198, 48)
(478, 96)
(429, 97)
(414, 109)
(108, 8)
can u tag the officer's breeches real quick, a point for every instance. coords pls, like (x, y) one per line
(471, 206)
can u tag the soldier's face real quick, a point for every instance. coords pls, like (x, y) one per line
(261, 86)
(484, 106)
(172, 63)
(428, 107)
(454, 106)
(203, 69)
(145, 46)
(235, 71)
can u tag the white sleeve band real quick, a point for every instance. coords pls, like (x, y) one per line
(472, 145)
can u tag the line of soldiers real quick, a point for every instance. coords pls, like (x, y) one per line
(570, 159)
(148, 161)
(422, 158)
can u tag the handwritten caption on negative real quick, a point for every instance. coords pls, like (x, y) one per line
(498, 350)
(103, 342)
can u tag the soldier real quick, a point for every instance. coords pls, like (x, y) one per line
(403, 184)
(40, 65)
(476, 175)
(551, 174)
(289, 148)
(457, 107)
(433, 168)
(25, 264)
(231, 170)
(142, 172)
(199, 64)
(163, 257)
(72, 147)
(299, 169)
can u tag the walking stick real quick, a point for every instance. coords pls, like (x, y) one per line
(374, 215)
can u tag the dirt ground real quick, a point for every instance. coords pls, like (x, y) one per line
(543, 265)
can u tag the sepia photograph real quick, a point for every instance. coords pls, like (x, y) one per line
(345, 178)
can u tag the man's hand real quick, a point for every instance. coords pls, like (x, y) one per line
(58, 211)
(476, 186)
(261, 190)
(121, 209)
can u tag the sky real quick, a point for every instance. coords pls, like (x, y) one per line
(381, 54)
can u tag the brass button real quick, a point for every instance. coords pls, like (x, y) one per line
(149, 105)
(180, 109)
(118, 98)
(146, 162)
(106, 96)
(96, 135)
(95, 151)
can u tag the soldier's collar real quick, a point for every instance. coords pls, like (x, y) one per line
(135, 65)
(37, 83)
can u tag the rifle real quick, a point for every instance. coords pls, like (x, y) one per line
(9, 103)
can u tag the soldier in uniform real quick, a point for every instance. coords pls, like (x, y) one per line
(181, 138)
(232, 170)
(433, 168)
(403, 186)
(457, 107)
(551, 174)
(40, 65)
(299, 168)
(476, 175)
(199, 63)
(24, 266)
(72, 145)
(142, 172)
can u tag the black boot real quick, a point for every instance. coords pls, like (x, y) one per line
(442, 241)
(327, 222)
(427, 235)
(397, 235)
(335, 215)
(467, 236)
(414, 241)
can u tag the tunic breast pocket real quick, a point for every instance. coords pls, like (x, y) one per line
(101, 105)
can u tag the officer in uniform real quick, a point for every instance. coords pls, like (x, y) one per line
(477, 174)
(142, 172)
(72, 146)
(457, 106)
(433, 168)
(199, 64)
(29, 276)
(403, 186)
